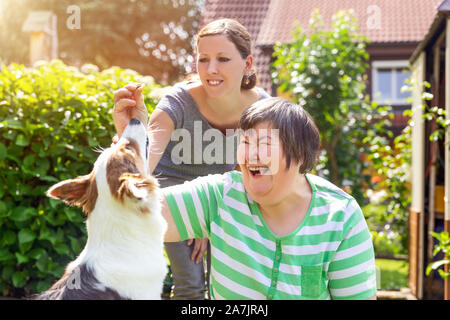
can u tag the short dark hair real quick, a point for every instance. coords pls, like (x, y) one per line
(298, 133)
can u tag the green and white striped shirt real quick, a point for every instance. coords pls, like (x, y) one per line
(329, 256)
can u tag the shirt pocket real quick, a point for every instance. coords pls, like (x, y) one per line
(312, 281)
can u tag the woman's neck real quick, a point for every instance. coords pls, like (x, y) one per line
(284, 216)
(222, 112)
(229, 105)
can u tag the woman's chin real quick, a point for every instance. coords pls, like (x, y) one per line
(258, 188)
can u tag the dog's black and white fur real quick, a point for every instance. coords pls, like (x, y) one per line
(123, 257)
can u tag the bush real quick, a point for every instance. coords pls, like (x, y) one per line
(52, 118)
(324, 71)
(444, 247)
(386, 240)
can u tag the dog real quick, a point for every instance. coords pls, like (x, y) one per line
(123, 257)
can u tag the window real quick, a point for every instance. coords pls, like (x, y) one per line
(388, 77)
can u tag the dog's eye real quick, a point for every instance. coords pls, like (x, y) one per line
(129, 148)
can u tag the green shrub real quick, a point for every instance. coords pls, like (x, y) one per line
(443, 246)
(386, 240)
(52, 118)
(324, 71)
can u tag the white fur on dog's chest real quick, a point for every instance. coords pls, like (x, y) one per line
(125, 250)
(143, 280)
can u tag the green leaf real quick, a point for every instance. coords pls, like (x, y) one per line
(21, 258)
(437, 264)
(25, 247)
(8, 238)
(43, 285)
(73, 214)
(49, 179)
(76, 244)
(25, 236)
(62, 248)
(42, 165)
(42, 263)
(36, 253)
(47, 234)
(3, 210)
(10, 135)
(22, 141)
(7, 272)
(21, 213)
(444, 275)
(58, 150)
(5, 255)
(37, 147)
(19, 279)
(3, 152)
(92, 141)
(54, 204)
(29, 160)
(56, 218)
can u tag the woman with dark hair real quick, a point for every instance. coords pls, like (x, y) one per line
(226, 85)
(276, 231)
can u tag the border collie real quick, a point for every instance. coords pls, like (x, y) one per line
(123, 257)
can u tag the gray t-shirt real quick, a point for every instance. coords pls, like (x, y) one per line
(195, 149)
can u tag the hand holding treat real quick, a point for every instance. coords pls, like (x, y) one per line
(128, 104)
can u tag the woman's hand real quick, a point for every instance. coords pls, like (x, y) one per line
(200, 246)
(128, 104)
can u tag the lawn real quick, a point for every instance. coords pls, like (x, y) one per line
(392, 274)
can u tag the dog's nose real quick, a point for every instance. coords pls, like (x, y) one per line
(135, 121)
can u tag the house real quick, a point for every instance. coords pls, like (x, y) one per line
(407, 39)
(430, 210)
(394, 29)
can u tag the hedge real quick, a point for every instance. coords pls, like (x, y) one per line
(53, 117)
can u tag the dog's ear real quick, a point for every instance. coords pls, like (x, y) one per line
(80, 192)
(136, 187)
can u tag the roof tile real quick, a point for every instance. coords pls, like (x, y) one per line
(379, 20)
(269, 21)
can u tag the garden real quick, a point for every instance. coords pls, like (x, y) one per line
(54, 118)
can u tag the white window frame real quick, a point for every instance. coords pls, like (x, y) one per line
(388, 64)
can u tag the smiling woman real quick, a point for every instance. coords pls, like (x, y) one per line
(204, 110)
(276, 232)
(276, 163)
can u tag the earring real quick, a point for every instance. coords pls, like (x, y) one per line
(246, 79)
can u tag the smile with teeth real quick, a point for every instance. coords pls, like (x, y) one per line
(214, 82)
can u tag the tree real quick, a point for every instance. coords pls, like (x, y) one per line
(149, 36)
(324, 71)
